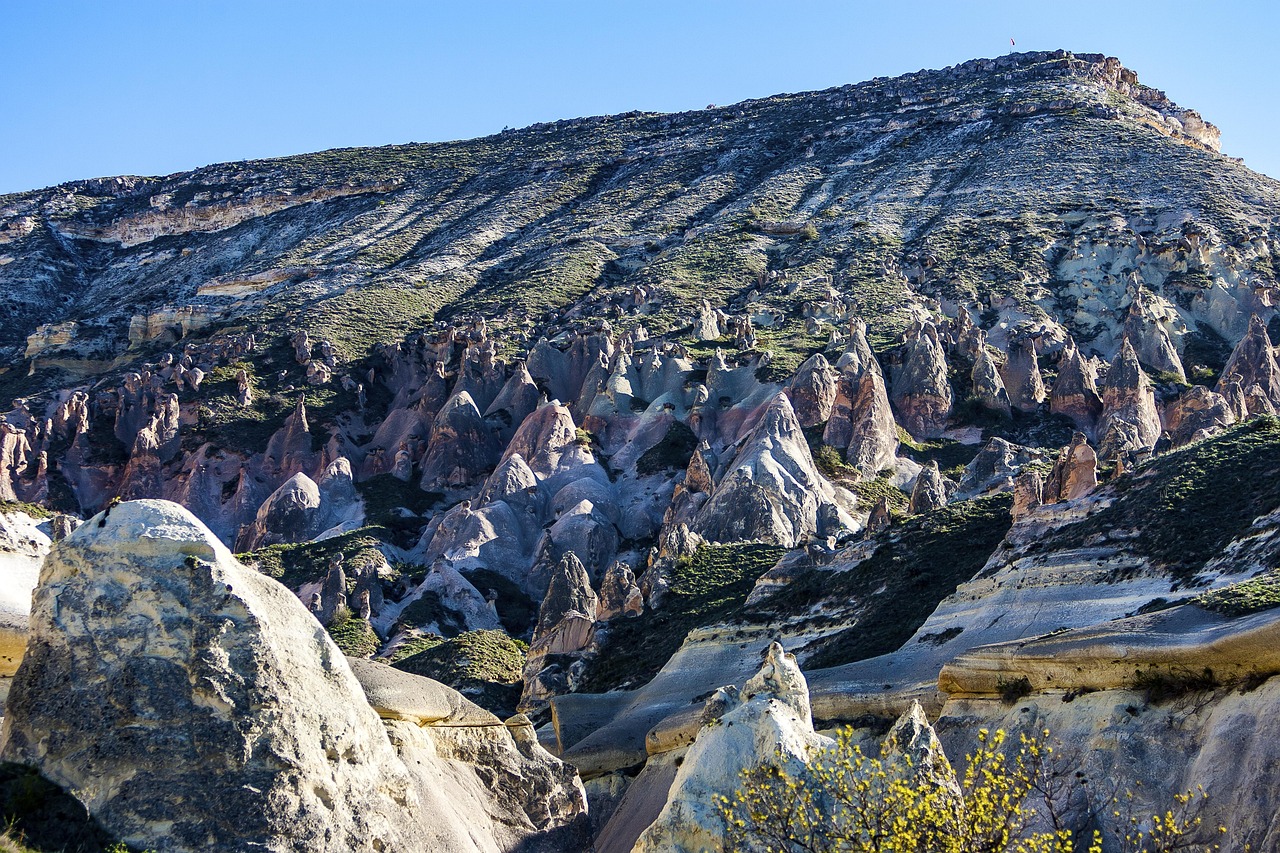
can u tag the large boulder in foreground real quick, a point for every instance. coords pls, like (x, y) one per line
(193, 704)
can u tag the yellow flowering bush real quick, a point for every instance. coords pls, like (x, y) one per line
(1012, 798)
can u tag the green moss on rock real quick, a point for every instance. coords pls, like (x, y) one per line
(705, 589)
(355, 636)
(485, 666)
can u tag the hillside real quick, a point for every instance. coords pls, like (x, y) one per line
(583, 418)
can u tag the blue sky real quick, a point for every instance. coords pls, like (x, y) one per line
(97, 88)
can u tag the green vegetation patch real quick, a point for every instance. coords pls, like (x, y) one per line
(914, 567)
(1240, 599)
(485, 666)
(951, 456)
(355, 636)
(294, 565)
(1182, 508)
(705, 589)
(30, 509)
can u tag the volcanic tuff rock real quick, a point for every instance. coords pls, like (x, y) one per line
(607, 337)
(767, 723)
(24, 541)
(772, 491)
(144, 602)
(921, 389)
(1129, 420)
(1021, 376)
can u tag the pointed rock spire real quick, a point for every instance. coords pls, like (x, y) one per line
(1022, 377)
(772, 491)
(1151, 339)
(921, 389)
(462, 447)
(1253, 362)
(873, 438)
(930, 491)
(1075, 391)
(988, 385)
(1129, 421)
(812, 391)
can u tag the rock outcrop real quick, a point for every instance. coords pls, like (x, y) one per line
(767, 723)
(771, 491)
(1074, 473)
(24, 542)
(873, 433)
(565, 629)
(1075, 391)
(1130, 421)
(921, 389)
(1253, 363)
(1022, 377)
(812, 391)
(1197, 414)
(988, 385)
(930, 490)
(191, 703)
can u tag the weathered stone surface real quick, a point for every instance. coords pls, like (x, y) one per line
(812, 391)
(399, 695)
(1145, 327)
(873, 433)
(462, 448)
(191, 703)
(988, 386)
(23, 546)
(1028, 493)
(1129, 420)
(772, 490)
(994, 468)
(1022, 377)
(921, 389)
(1075, 391)
(1254, 362)
(768, 723)
(1198, 411)
(619, 593)
(289, 515)
(930, 490)
(1074, 473)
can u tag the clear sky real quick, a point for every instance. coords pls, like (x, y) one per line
(92, 88)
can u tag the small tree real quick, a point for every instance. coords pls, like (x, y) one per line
(848, 802)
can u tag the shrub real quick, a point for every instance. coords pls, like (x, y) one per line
(844, 800)
(353, 635)
(1013, 689)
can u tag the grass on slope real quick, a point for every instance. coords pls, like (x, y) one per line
(914, 567)
(485, 666)
(353, 635)
(705, 589)
(30, 509)
(294, 565)
(1249, 596)
(1182, 508)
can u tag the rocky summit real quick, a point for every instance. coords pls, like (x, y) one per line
(537, 492)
